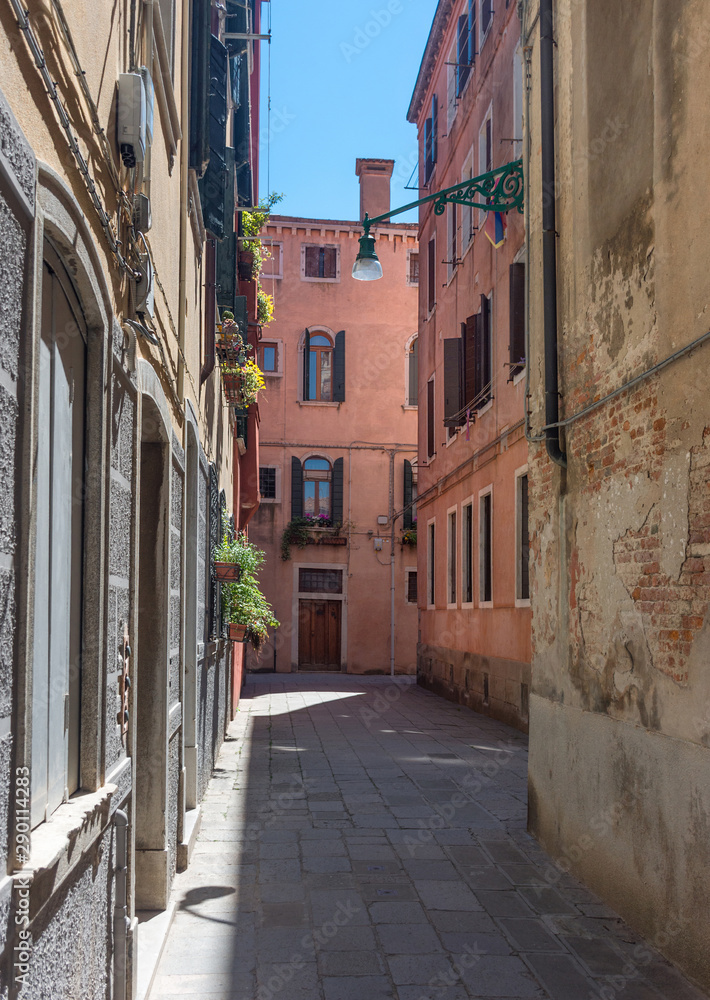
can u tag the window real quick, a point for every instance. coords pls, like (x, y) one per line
(431, 446)
(316, 488)
(320, 263)
(268, 482)
(269, 359)
(430, 565)
(451, 102)
(516, 313)
(517, 103)
(413, 267)
(272, 266)
(413, 372)
(485, 153)
(486, 17)
(59, 549)
(410, 586)
(320, 581)
(467, 227)
(431, 132)
(522, 540)
(485, 546)
(324, 367)
(409, 517)
(453, 403)
(467, 553)
(431, 275)
(463, 60)
(451, 571)
(452, 242)
(477, 361)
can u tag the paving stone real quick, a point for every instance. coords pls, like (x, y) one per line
(281, 892)
(486, 878)
(357, 988)
(528, 934)
(372, 869)
(425, 869)
(469, 856)
(408, 939)
(332, 937)
(503, 904)
(561, 977)
(326, 865)
(280, 871)
(397, 913)
(446, 895)
(483, 944)
(350, 963)
(502, 976)
(282, 914)
(454, 921)
(370, 853)
(406, 969)
(545, 900)
(437, 992)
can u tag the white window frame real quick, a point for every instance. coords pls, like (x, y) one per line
(413, 284)
(277, 498)
(326, 246)
(452, 547)
(452, 222)
(278, 344)
(466, 211)
(270, 244)
(485, 492)
(520, 602)
(467, 504)
(481, 154)
(408, 570)
(484, 36)
(301, 348)
(407, 387)
(430, 564)
(430, 458)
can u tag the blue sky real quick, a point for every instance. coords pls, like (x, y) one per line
(342, 76)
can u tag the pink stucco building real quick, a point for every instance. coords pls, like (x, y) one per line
(339, 443)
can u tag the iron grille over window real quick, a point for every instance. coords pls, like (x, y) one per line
(214, 539)
(412, 587)
(267, 482)
(320, 581)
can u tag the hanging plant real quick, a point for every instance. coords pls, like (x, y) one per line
(252, 382)
(243, 603)
(300, 531)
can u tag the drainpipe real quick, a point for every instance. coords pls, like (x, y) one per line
(211, 310)
(391, 515)
(549, 233)
(120, 911)
(184, 171)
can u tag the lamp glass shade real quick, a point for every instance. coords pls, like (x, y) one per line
(367, 269)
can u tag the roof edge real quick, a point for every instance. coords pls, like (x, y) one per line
(431, 50)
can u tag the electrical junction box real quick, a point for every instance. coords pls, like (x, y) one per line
(144, 298)
(142, 219)
(131, 120)
(382, 519)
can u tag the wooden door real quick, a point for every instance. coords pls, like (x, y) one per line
(319, 635)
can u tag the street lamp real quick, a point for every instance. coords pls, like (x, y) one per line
(499, 190)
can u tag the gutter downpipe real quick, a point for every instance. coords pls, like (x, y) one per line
(392, 575)
(121, 923)
(184, 170)
(211, 310)
(549, 234)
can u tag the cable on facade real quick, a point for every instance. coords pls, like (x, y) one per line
(114, 243)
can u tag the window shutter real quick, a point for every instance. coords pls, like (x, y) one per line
(337, 501)
(296, 488)
(339, 368)
(516, 344)
(462, 54)
(213, 186)
(472, 47)
(330, 260)
(477, 358)
(468, 360)
(452, 382)
(200, 85)
(434, 127)
(428, 162)
(312, 256)
(408, 478)
(413, 394)
(431, 275)
(431, 449)
(226, 258)
(485, 349)
(307, 365)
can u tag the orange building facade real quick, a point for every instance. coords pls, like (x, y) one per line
(473, 546)
(338, 444)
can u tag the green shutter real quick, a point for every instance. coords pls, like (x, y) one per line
(213, 186)
(226, 264)
(452, 382)
(337, 502)
(339, 368)
(408, 479)
(296, 488)
(307, 365)
(200, 85)
(516, 343)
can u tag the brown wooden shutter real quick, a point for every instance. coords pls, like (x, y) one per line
(431, 275)
(468, 336)
(452, 382)
(312, 262)
(431, 449)
(486, 348)
(462, 69)
(516, 344)
(330, 260)
(477, 358)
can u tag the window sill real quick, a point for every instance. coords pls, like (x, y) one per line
(484, 409)
(467, 605)
(316, 402)
(270, 500)
(430, 314)
(430, 459)
(410, 406)
(522, 602)
(485, 604)
(517, 379)
(453, 606)
(322, 281)
(272, 374)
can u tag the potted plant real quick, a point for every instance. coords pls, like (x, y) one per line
(312, 528)
(243, 604)
(252, 382)
(232, 384)
(226, 561)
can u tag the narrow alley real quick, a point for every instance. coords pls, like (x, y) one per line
(364, 839)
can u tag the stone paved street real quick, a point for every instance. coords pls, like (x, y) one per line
(364, 839)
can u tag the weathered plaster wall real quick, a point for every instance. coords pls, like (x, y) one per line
(619, 716)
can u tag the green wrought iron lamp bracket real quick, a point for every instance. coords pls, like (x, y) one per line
(499, 190)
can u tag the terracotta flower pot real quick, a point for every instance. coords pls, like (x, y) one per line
(227, 571)
(237, 633)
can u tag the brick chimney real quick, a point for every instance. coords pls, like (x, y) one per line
(374, 186)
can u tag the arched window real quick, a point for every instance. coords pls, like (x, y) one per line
(320, 367)
(316, 488)
(412, 372)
